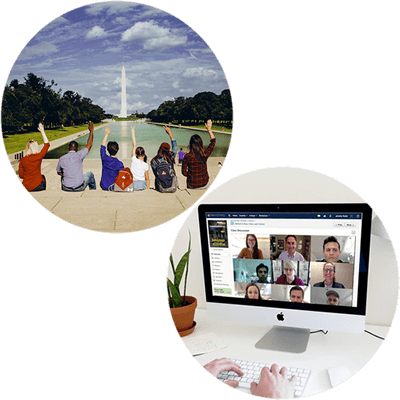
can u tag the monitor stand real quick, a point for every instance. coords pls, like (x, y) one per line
(291, 340)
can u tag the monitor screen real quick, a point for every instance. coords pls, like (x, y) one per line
(311, 257)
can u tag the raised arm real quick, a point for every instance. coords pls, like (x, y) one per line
(108, 131)
(41, 130)
(174, 146)
(133, 141)
(90, 140)
(168, 132)
(208, 127)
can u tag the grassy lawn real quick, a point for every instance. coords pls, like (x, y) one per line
(200, 126)
(17, 141)
(214, 128)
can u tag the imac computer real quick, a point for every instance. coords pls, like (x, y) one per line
(297, 267)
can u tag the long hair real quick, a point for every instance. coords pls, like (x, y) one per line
(168, 156)
(32, 147)
(255, 248)
(197, 148)
(141, 153)
(247, 288)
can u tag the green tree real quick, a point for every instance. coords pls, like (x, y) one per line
(24, 104)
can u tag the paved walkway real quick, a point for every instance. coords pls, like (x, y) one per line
(117, 212)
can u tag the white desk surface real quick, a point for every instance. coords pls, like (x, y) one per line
(324, 351)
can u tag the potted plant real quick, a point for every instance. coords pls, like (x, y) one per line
(182, 307)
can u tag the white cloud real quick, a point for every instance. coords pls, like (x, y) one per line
(115, 49)
(152, 11)
(38, 50)
(121, 7)
(96, 32)
(197, 72)
(128, 82)
(187, 90)
(112, 7)
(164, 42)
(144, 30)
(102, 86)
(109, 103)
(61, 54)
(121, 20)
(145, 85)
(137, 106)
(154, 36)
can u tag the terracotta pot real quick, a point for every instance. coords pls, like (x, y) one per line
(184, 316)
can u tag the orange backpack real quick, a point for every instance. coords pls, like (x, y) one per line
(124, 181)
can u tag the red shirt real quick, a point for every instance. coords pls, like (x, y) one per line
(282, 280)
(196, 170)
(30, 169)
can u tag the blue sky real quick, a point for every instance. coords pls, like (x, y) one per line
(84, 51)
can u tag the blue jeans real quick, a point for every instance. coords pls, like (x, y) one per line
(42, 185)
(139, 185)
(88, 180)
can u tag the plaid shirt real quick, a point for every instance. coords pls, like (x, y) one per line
(196, 170)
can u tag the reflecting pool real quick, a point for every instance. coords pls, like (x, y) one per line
(148, 136)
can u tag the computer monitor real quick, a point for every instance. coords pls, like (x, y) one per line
(298, 267)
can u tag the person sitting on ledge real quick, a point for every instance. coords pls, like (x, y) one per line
(139, 167)
(70, 169)
(30, 166)
(162, 165)
(194, 164)
(110, 163)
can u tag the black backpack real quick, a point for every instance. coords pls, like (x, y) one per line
(166, 179)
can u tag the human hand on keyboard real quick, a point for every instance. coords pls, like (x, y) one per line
(224, 364)
(274, 383)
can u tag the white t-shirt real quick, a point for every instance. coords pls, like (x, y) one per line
(138, 168)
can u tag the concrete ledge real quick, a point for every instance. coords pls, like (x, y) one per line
(117, 212)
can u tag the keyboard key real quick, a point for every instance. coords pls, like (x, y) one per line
(244, 385)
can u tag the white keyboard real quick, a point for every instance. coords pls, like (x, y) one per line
(252, 372)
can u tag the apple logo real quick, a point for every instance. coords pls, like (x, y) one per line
(280, 317)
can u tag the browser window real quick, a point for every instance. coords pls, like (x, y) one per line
(292, 257)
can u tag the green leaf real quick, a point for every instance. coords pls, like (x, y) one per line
(176, 296)
(180, 269)
(187, 269)
(172, 263)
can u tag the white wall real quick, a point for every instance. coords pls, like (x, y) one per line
(290, 185)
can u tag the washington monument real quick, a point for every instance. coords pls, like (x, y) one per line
(123, 113)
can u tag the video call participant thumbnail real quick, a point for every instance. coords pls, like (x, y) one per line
(329, 278)
(262, 274)
(296, 294)
(289, 277)
(291, 253)
(253, 292)
(331, 250)
(251, 250)
(333, 298)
